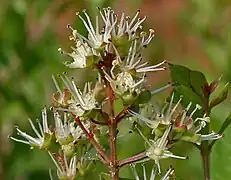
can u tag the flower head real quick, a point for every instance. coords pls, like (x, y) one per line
(158, 148)
(124, 82)
(133, 62)
(115, 33)
(65, 170)
(44, 135)
(65, 131)
(80, 101)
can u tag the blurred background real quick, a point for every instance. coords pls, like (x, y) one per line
(194, 33)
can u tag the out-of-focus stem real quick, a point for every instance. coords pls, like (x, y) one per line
(90, 136)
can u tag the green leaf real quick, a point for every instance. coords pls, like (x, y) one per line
(180, 74)
(197, 82)
(189, 84)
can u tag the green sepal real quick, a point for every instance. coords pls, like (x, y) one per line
(80, 168)
(180, 129)
(159, 131)
(122, 44)
(47, 141)
(91, 61)
(66, 140)
(191, 137)
(63, 177)
(100, 92)
(129, 98)
(68, 149)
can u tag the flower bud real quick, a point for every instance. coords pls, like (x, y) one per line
(99, 92)
(47, 141)
(129, 97)
(64, 140)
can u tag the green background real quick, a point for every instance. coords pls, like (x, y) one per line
(194, 33)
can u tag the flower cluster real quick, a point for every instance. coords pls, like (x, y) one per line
(69, 137)
(170, 125)
(113, 49)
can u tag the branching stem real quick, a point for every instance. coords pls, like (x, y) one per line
(90, 136)
(132, 159)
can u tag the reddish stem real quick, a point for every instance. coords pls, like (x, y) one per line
(121, 115)
(90, 136)
(206, 164)
(132, 159)
(114, 170)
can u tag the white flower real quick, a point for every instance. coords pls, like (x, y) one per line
(166, 176)
(65, 131)
(97, 38)
(44, 135)
(158, 149)
(133, 61)
(124, 82)
(82, 100)
(125, 26)
(103, 38)
(79, 55)
(164, 117)
(65, 171)
(194, 126)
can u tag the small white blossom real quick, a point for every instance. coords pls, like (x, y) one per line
(124, 26)
(65, 131)
(159, 117)
(158, 149)
(44, 135)
(79, 55)
(82, 100)
(133, 61)
(65, 171)
(124, 82)
(112, 29)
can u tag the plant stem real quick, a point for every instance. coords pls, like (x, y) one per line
(90, 136)
(205, 155)
(132, 159)
(114, 169)
(121, 115)
(205, 152)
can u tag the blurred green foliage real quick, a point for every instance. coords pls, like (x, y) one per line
(193, 33)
